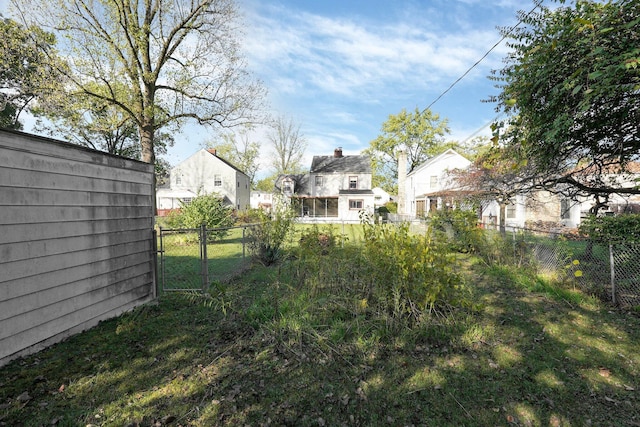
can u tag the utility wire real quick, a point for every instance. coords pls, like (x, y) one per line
(537, 3)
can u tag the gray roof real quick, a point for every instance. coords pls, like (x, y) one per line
(344, 164)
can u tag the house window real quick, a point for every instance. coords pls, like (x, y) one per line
(565, 209)
(511, 211)
(186, 201)
(238, 184)
(353, 182)
(355, 204)
(319, 181)
(217, 180)
(287, 187)
(178, 179)
(433, 181)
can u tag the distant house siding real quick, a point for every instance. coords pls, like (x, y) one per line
(205, 173)
(76, 243)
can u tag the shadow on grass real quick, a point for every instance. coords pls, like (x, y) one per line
(525, 359)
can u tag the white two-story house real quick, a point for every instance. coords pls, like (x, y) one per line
(425, 184)
(337, 188)
(204, 173)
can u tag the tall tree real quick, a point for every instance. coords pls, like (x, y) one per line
(243, 153)
(26, 54)
(572, 89)
(288, 144)
(179, 59)
(90, 122)
(418, 133)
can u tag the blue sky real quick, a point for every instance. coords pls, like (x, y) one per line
(339, 68)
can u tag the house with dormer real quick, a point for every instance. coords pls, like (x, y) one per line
(337, 188)
(204, 173)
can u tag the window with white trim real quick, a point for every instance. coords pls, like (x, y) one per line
(511, 211)
(356, 204)
(353, 183)
(217, 180)
(319, 181)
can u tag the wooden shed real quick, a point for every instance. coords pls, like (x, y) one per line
(76, 240)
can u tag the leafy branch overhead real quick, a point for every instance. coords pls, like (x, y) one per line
(178, 60)
(570, 87)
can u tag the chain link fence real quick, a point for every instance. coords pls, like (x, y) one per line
(193, 259)
(611, 272)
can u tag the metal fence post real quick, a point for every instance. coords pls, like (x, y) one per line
(244, 230)
(204, 258)
(613, 274)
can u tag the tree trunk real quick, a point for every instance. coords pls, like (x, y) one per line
(149, 155)
(503, 219)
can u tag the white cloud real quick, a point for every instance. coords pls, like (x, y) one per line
(347, 58)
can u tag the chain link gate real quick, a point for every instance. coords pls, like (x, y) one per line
(189, 258)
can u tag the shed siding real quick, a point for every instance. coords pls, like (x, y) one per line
(76, 243)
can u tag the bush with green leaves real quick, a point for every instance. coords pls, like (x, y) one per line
(266, 239)
(459, 227)
(208, 209)
(410, 274)
(612, 229)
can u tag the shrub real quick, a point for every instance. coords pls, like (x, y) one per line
(459, 228)
(266, 239)
(410, 275)
(612, 229)
(206, 209)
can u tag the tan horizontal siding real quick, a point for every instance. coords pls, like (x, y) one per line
(76, 241)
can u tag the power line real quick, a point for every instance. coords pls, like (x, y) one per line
(537, 3)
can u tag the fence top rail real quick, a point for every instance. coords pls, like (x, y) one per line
(195, 230)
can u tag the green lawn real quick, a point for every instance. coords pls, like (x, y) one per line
(182, 265)
(261, 351)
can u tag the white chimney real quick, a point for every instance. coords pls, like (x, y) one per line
(402, 180)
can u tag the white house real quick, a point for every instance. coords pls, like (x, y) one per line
(337, 188)
(261, 200)
(380, 197)
(425, 182)
(204, 173)
(543, 207)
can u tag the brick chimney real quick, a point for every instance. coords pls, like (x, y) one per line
(337, 152)
(212, 151)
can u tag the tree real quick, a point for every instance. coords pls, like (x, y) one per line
(90, 122)
(571, 88)
(25, 57)
(179, 60)
(419, 134)
(495, 175)
(288, 144)
(243, 153)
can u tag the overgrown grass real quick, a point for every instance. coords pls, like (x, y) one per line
(298, 344)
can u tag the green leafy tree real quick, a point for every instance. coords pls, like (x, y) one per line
(179, 60)
(26, 54)
(571, 88)
(243, 153)
(420, 134)
(267, 183)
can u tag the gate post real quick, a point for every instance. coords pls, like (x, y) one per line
(612, 266)
(203, 258)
